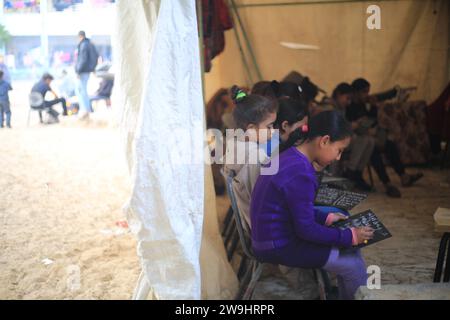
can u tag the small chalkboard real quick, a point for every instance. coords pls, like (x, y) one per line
(342, 199)
(366, 219)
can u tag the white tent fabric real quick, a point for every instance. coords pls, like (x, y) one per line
(162, 119)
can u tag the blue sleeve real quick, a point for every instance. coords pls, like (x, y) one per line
(299, 195)
(321, 216)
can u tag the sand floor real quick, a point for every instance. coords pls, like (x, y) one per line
(62, 187)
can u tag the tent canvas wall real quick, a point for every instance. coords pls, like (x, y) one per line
(410, 49)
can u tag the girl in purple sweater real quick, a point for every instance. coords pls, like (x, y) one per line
(287, 229)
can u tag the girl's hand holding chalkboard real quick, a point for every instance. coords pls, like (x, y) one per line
(335, 217)
(362, 235)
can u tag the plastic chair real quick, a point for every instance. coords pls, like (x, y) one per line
(36, 101)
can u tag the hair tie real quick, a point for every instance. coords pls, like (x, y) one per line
(305, 128)
(241, 95)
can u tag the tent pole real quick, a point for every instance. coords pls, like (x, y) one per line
(247, 41)
(201, 45)
(244, 60)
(295, 3)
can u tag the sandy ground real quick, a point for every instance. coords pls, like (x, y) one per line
(62, 187)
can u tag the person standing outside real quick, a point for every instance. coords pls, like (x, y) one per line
(5, 87)
(85, 64)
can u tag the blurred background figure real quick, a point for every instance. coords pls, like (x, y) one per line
(4, 69)
(87, 58)
(104, 91)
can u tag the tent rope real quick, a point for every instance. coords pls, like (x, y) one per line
(247, 41)
(293, 3)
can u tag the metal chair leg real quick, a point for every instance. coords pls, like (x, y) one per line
(258, 267)
(231, 230)
(245, 279)
(444, 155)
(321, 284)
(28, 118)
(440, 258)
(227, 220)
(242, 267)
(447, 263)
(233, 245)
(326, 282)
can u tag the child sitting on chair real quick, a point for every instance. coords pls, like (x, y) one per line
(287, 229)
(254, 115)
(42, 87)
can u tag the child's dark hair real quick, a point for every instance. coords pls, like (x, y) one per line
(250, 108)
(360, 84)
(342, 88)
(47, 76)
(290, 110)
(308, 89)
(264, 88)
(286, 89)
(327, 123)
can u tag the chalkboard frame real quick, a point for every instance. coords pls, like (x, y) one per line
(363, 197)
(343, 224)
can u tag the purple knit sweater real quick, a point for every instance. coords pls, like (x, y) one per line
(283, 215)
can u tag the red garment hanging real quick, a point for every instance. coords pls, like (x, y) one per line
(216, 19)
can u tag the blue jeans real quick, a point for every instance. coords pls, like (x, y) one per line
(4, 109)
(81, 91)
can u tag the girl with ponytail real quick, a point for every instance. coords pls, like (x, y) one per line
(254, 115)
(287, 229)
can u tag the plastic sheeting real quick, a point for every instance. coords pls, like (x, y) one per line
(172, 206)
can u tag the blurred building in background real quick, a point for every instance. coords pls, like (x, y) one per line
(44, 33)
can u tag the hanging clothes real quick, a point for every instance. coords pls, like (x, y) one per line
(216, 20)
